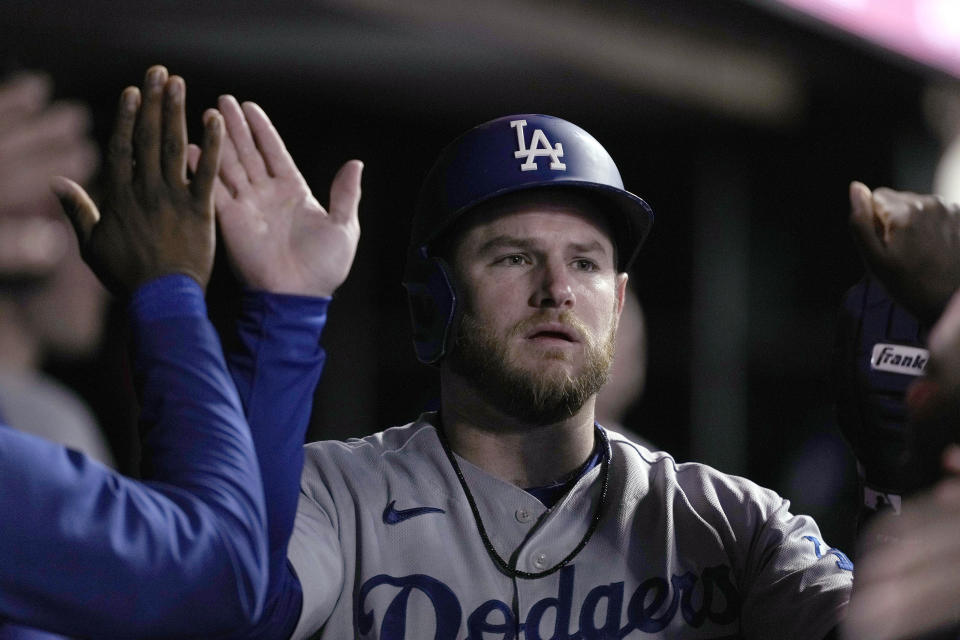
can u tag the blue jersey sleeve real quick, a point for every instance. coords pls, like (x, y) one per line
(276, 370)
(88, 552)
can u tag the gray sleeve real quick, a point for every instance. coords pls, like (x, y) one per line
(316, 555)
(795, 585)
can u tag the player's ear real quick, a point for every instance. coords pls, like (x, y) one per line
(621, 287)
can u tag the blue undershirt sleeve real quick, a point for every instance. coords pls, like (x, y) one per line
(88, 552)
(276, 370)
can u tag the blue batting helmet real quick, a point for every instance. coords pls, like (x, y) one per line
(506, 155)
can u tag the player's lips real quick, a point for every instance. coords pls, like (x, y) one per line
(553, 331)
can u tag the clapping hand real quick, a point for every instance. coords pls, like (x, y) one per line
(38, 138)
(911, 243)
(279, 238)
(153, 221)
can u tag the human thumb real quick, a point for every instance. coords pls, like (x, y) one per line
(77, 206)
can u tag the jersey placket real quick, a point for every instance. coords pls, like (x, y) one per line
(523, 530)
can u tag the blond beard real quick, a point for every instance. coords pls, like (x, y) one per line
(534, 397)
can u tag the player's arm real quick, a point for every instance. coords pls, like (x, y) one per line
(89, 552)
(911, 245)
(907, 571)
(908, 579)
(84, 550)
(793, 584)
(291, 254)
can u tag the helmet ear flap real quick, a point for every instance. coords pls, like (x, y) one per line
(432, 299)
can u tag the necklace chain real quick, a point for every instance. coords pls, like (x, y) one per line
(511, 569)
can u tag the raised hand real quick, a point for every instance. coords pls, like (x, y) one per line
(153, 221)
(278, 237)
(911, 243)
(38, 139)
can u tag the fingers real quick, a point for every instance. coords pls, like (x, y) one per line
(899, 212)
(193, 155)
(147, 131)
(208, 163)
(120, 149)
(38, 140)
(232, 173)
(868, 228)
(22, 95)
(77, 206)
(220, 193)
(239, 132)
(345, 193)
(31, 245)
(275, 155)
(173, 155)
(59, 125)
(951, 460)
(26, 184)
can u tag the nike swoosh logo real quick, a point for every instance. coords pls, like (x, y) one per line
(392, 515)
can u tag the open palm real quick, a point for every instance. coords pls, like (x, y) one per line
(278, 237)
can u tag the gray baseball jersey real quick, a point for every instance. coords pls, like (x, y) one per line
(386, 546)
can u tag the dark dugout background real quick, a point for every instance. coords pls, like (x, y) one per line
(741, 126)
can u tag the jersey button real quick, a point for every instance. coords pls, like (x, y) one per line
(523, 515)
(540, 561)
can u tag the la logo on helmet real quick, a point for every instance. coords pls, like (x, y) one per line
(539, 147)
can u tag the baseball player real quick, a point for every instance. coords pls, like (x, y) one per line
(83, 550)
(509, 513)
(908, 573)
(42, 277)
(900, 414)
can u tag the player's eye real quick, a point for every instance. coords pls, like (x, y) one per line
(583, 264)
(512, 260)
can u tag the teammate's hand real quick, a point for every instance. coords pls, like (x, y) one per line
(911, 243)
(153, 221)
(910, 585)
(278, 237)
(38, 139)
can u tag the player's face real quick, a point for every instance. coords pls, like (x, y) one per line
(542, 301)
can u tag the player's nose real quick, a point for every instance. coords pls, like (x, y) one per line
(553, 286)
